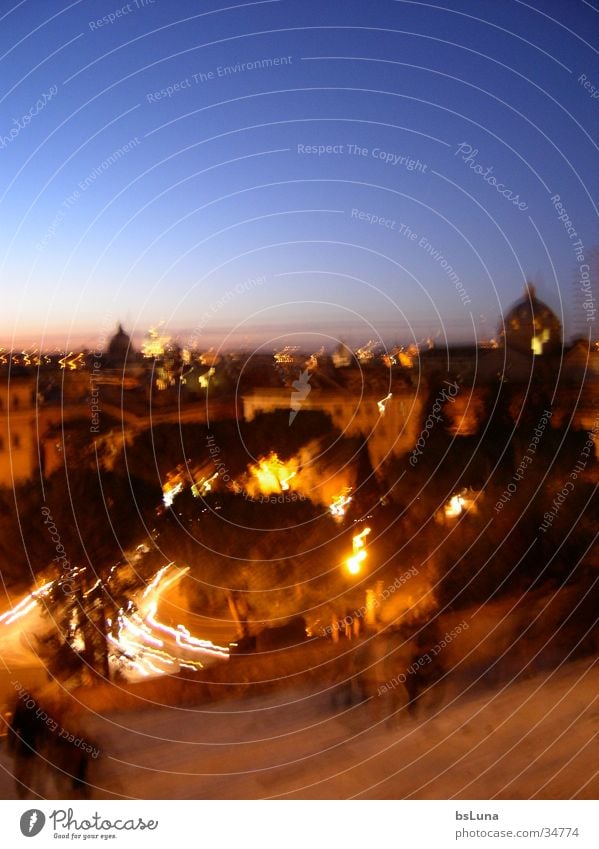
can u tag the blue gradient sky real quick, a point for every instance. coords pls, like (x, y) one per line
(213, 192)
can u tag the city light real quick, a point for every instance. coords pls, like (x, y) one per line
(26, 605)
(271, 475)
(169, 493)
(454, 507)
(340, 504)
(383, 402)
(354, 563)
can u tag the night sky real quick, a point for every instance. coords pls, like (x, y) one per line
(301, 172)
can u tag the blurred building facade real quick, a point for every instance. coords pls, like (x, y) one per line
(18, 430)
(391, 423)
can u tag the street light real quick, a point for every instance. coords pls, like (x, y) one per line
(354, 563)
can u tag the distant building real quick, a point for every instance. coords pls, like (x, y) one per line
(119, 353)
(154, 345)
(18, 435)
(531, 327)
(342, 356)
(531, 344)
(579, 390)
(390, 424)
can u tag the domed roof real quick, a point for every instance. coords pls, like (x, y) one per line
(530, 325)
(119, 347)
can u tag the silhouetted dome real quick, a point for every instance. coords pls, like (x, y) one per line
(530, 326)
(119, 348)
(342, 356)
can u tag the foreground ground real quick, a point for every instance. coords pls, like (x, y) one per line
(535, 738)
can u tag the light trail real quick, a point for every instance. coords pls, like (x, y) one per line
(151, 647)
(26, 605)
(143, 646)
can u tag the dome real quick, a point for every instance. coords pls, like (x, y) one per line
(119, 348)
(530, 326)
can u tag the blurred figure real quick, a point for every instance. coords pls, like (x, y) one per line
(68, 749)
(425, 679)
(24, 743)
(376, 677)
(383, 679)
(52, 757)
